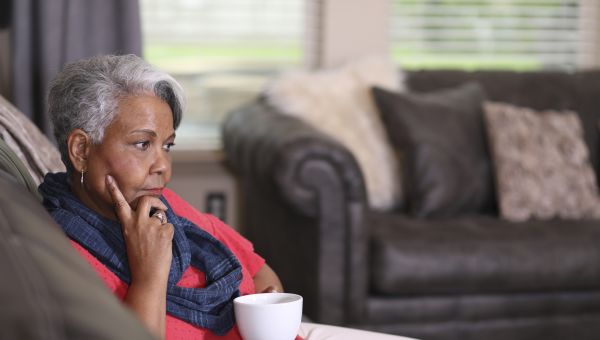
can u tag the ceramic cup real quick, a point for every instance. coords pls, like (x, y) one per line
(268, 316)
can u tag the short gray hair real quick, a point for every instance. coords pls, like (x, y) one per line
(86, 93)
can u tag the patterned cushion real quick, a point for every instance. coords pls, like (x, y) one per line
(338, 103)
(542, 165)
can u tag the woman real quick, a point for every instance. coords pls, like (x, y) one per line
(178, 270)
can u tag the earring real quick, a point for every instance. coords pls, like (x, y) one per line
(82, 171)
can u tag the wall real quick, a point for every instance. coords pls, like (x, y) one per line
(591, 11)
(200, 175)
(341, 30)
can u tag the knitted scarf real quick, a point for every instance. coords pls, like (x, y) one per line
(210, 307)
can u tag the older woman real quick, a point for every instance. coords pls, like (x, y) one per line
(177, 269)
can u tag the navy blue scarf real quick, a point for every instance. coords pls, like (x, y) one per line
(210, 307)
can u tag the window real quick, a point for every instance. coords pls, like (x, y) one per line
(222, 52)
(510, 34)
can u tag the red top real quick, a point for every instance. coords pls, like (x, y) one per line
(192, 277)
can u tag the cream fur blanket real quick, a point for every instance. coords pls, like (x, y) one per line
(338, 102)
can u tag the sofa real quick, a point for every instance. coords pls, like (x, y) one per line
(463, 276)
(47, 290)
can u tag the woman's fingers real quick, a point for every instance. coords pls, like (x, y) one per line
(122, 208)
(148, 204)
(270, 289)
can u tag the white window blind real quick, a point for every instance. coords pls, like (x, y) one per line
(514, 34)
(221, 52)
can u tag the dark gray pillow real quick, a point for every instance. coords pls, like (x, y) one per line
(441, 137)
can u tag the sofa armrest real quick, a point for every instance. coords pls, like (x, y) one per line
(304, 204)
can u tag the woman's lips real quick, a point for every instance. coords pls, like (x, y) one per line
(154, 191)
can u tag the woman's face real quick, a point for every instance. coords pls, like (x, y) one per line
(135, 151)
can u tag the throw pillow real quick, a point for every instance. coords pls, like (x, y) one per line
(446, 165)
(542, 164)
(338, 103)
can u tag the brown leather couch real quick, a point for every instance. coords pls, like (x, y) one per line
(462, 277)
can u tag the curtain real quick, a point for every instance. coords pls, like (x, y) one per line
(5, 7)
(46, 34)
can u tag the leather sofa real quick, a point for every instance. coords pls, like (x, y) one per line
(47, 291)
(461, 277)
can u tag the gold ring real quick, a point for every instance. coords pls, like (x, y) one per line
(160, 216)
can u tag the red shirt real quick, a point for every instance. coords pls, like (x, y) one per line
(192, 277)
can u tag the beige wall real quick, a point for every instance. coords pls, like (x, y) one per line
(197, 173)
(341, 30)
(592, 13)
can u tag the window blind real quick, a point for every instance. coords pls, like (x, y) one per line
(524, 34)
(223, 22)
(222, 52)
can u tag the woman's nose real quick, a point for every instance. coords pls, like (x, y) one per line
(162, 162)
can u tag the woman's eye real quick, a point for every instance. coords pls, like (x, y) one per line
(168, 146)
(142, 145)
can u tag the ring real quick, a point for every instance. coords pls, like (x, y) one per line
(160, 216)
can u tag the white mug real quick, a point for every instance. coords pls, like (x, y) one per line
(268, 316)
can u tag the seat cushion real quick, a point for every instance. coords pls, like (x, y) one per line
(482, 254)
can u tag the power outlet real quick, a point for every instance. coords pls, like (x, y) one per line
(216, 204)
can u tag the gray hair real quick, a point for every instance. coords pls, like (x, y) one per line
(86, 93)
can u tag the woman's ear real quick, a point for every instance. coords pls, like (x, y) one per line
(78, 146)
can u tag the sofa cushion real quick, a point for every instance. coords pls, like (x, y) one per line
(542, 164)
(481, 254)
(446, 165)
(47, 290)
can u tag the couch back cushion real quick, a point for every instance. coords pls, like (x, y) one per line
(546, 90)
(47, 290)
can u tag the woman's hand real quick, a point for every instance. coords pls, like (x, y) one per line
(149, 250)
(266, 281)
(147, 239)
(271, 289)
